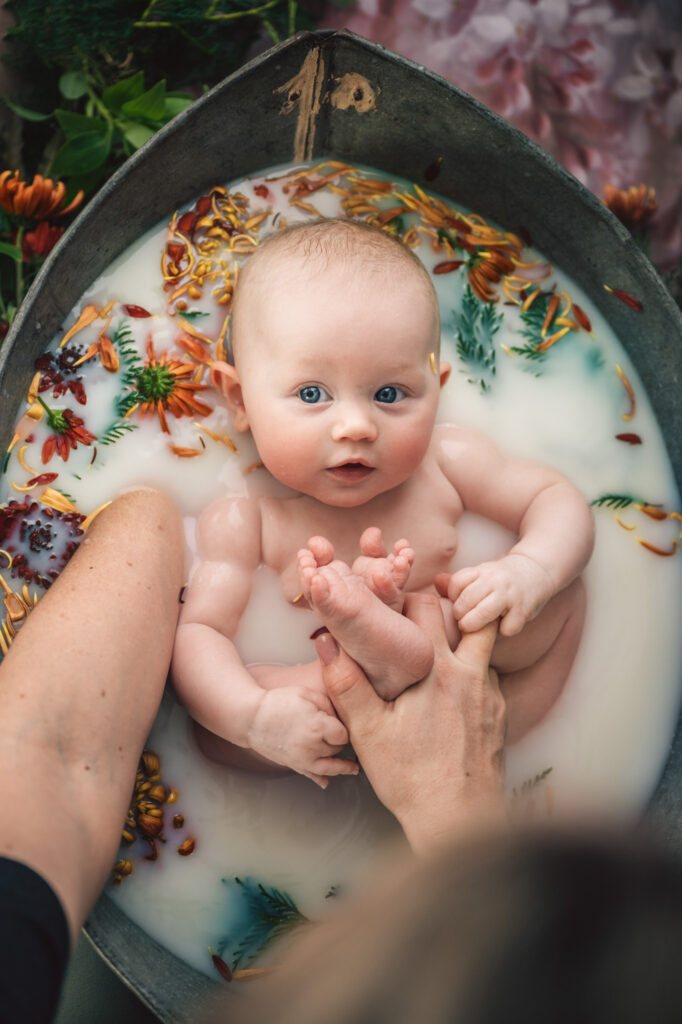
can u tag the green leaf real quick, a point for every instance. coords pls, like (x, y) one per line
(10, 250)
(28, 115)
(73, 85)
(476, 324)
(124, 91)
(150, 106)
(81, 154)
(176, 104)
(78, 124)
(138, 134)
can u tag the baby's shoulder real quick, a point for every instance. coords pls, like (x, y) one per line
(453, 443)
(230, 525)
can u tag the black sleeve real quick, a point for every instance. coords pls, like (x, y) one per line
(34, 946)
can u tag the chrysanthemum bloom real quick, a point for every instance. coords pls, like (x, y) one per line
(166, 385)
(69, 432)
(633, 206)
(41, 241)
(39, 200)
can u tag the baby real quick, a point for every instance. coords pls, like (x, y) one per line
(335, 339)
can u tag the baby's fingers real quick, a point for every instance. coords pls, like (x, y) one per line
(487, 610)
(452, 585)
(335, 766)
(320, 780)
(334, 732)
(513, 622)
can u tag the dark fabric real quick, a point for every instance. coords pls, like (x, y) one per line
(34, 946)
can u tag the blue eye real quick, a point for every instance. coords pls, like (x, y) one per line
(389, 394)
(312, 393)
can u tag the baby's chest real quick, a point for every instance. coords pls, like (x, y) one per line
(430, 529)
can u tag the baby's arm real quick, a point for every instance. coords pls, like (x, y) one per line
(292, 725)
(550, 516)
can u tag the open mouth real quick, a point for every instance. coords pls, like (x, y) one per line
(351, 472)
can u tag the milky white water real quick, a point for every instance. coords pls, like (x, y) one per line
(606, 739)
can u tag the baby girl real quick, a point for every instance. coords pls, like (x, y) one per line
(335, 340)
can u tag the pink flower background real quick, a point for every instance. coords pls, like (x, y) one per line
(598, 83)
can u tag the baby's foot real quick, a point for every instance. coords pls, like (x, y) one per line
(392, 650)
(385, 575)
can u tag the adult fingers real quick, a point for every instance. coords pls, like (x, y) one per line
(475, 649)
(351, 693)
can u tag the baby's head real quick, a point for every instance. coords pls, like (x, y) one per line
(335, 340)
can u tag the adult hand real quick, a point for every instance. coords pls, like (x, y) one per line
(435, 755)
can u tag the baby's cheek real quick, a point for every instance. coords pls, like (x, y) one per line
(406, 454)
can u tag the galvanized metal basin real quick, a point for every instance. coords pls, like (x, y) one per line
(334, 94)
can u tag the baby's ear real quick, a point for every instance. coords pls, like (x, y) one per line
(226, 380)
(445, 371)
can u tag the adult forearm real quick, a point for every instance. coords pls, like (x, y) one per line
(78, 694)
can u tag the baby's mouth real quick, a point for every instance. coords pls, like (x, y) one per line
(351, 472)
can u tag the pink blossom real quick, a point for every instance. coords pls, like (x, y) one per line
(597, 87)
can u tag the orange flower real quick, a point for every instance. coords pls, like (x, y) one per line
(165, 385)
(41, 241)
(632, 206)
(69, 432)
(39, 200)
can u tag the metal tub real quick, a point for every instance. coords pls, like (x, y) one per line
(334, 94)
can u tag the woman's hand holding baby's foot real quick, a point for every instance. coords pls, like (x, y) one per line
(392, 650)
(385, 574)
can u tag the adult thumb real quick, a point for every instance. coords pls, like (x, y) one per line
(349, 689)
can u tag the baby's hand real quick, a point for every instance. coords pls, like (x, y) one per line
(296, 726)
(513, 589)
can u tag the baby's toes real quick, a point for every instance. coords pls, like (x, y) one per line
(307, 567)
(321, 549)
(402, 564)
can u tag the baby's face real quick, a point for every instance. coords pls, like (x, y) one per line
(339, 382)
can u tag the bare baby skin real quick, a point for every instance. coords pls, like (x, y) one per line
(336, 374)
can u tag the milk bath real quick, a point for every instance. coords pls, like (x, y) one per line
(602, 747)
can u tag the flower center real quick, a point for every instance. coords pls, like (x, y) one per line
(155, 383)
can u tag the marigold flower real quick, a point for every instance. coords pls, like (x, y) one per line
(166, 385)
(633, 206)
(40, 200)
(41, 241)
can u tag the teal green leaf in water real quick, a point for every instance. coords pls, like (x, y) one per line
(616, 501)
(258, 916)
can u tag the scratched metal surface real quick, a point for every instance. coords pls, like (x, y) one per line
(333, 94)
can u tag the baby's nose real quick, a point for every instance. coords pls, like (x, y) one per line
(354, 422)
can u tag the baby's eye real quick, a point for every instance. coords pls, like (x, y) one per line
(313, 393)
(389, 394)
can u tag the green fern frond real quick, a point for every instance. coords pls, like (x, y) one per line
(476, 324)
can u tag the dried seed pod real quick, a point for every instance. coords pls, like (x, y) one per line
(150, 761)
(172, 796)
(128, 836)
(178, 820)
(155, 812)
(159, 793)
(187, 847)
(123, 867)
(150, 825)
